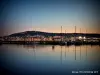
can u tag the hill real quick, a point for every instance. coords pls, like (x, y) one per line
(46, 34)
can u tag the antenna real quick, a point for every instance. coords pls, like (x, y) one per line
(80, 30)
(61, 33)
(75, 29)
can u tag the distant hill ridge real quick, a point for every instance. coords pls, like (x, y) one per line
(46, 34)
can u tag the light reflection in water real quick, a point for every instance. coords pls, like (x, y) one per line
(51, 57)
(75, 49)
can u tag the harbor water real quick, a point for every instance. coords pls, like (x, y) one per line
(49, 59)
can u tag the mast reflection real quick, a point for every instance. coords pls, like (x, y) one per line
(86, 51)
(80, 52)
(75, 52)
(34, 51)
(61, 55)
(65, 52)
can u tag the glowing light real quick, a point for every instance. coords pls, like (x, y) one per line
(80, 37)
(84, 37)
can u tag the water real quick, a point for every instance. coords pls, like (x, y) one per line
(48, 59)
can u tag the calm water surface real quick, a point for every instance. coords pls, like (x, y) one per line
(48, 59)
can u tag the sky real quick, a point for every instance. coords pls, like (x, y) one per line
(49, 16)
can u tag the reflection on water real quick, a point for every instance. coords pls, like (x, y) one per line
(49, 59)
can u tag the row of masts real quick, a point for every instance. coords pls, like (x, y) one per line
(74, 29)
(74, 32)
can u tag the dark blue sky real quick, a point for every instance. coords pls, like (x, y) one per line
(49, 15)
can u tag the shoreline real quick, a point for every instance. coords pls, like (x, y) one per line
(50, 42)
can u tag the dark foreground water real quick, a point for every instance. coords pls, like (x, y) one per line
(49, 60)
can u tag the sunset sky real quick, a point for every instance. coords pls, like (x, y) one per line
(49, 15)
